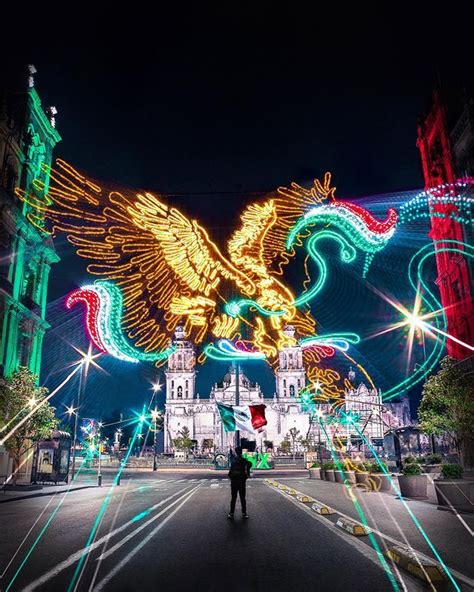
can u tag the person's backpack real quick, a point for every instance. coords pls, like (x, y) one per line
(238, 468)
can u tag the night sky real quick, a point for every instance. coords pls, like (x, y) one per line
(215, 109)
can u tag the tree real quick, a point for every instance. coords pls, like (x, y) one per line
(183, 442)
(207, 444)
(294, 434)
(19, 395)
(447, 406)
(285, 445)
(306, 443)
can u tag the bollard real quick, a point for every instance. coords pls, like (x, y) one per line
(99, 480)
(118, 480)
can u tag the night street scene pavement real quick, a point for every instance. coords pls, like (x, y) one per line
(236, 299)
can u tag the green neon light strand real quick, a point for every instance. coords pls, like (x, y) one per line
(110, 323)
(432, 303)
(43, 530)
(347, 253)
(346, 222)
(103, 508)
(233, 308)
(213, 352)
(408, 509)
(360, 512)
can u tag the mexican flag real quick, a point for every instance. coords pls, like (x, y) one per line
(249, 418)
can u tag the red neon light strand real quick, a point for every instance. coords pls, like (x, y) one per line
(92, 303)
(372, 224)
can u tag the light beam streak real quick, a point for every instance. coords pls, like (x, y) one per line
(415, 520)
(40, 404)
(360, 512)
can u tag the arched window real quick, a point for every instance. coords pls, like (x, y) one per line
(180, 392)
(172, 384)
(299, 383)
(292, 390)
(284, 383)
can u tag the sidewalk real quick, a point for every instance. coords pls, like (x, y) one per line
(86, 481)
(451, 534)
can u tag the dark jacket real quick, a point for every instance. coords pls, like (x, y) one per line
(239, 469)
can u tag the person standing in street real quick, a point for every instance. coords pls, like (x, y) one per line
(238, 474)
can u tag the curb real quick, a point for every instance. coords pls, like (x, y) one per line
(43, 494)
(352, 527)
(427, 571)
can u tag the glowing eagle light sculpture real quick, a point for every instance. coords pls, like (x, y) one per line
(158, 268)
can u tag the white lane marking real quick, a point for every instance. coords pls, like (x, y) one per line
(140, 546)
(140, 528)
(78, 554)
(104, 547)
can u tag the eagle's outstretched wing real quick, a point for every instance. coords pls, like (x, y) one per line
(167, 268)
(260, 242)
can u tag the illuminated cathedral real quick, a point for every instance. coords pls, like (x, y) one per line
(184, 408)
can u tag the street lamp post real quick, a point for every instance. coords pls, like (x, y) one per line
(154, 415)
(76, 419)
(99, 474)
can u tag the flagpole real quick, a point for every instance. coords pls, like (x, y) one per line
(237, 399)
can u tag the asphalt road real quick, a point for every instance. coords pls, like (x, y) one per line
(169, 532)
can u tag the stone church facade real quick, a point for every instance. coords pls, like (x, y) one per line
(185, 409)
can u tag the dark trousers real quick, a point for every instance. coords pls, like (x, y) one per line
(237, 486)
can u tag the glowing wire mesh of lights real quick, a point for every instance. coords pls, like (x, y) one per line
(143, 245)
(100, 514)
(340, 341)
(358, 508)
(364, 231)
(353, 220)
(415, 276)
(424, 205)
(104, 312)
(226, 350)
(407, 507)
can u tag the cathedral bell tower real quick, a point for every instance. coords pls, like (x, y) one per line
(291, 375)
(180, 374)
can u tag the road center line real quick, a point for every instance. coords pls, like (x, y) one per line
(144, 542)
(78, 554)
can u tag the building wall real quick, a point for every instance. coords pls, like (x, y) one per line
(447, 153)
(27, 139)
(283, 410)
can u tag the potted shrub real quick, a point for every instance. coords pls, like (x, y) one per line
(328, 469)
(412, 482)
(339, 473)
(380, 481)
(349, 473)
(452, 491)
(432, 463)
(315, 471)
(362, 474)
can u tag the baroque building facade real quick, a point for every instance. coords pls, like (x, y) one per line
(284, 413)
(446, 145)
(27, 139)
